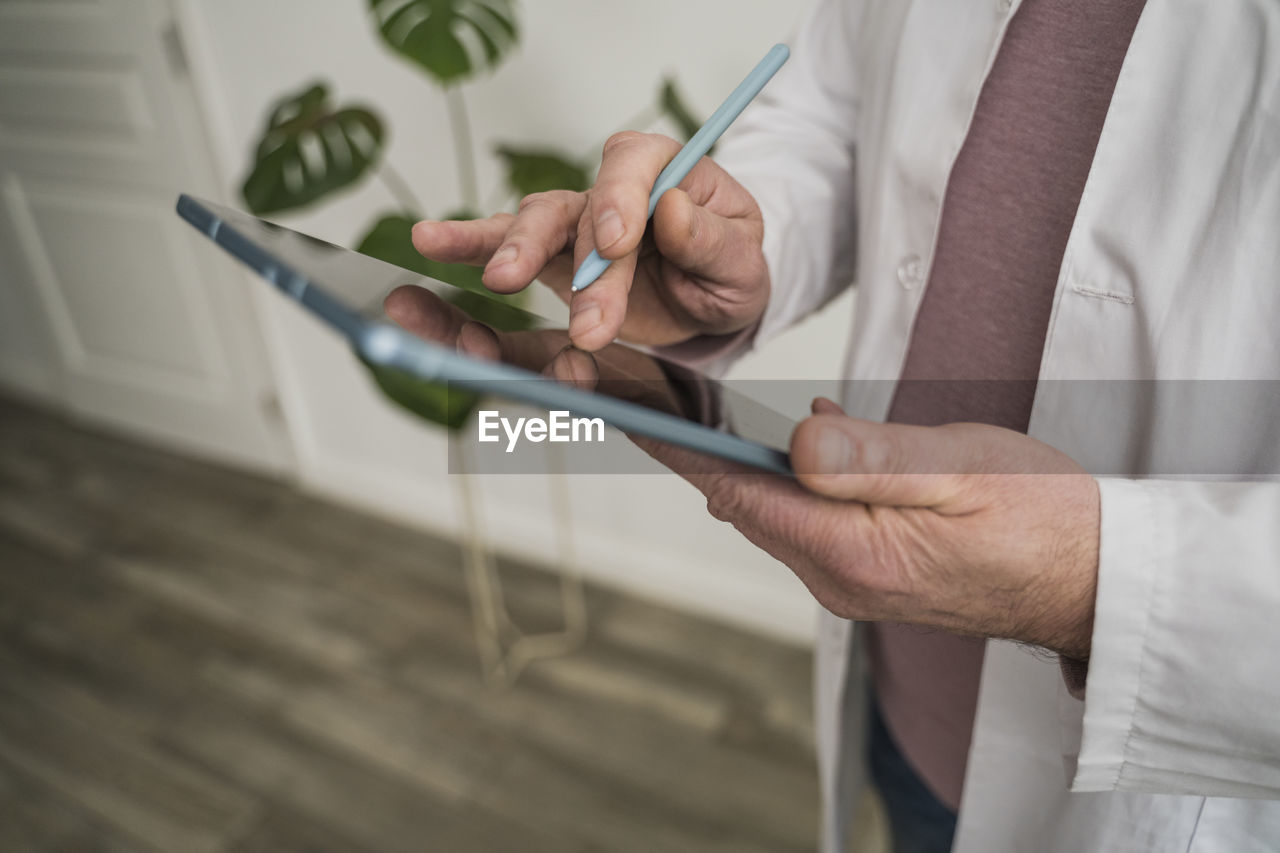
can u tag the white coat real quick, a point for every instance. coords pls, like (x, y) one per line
(1172, 271)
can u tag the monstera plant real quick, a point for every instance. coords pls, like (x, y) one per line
(312, 148)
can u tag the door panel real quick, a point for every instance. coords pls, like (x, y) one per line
(111, 321)
(146, 329)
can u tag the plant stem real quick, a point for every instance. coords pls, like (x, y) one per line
(399, 189)
(463, 148)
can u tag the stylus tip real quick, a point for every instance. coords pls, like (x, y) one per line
(590, 270)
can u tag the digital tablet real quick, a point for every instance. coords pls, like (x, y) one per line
(631, 389)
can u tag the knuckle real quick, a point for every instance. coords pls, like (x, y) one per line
(710, 307)
(634, 140)
(919, 556)
(621, 140)
(708, 239)
(724, 499)
(697, 233)
(566, 200)
(552, 201)
(529, 245)
(544, 218)
(876, 455)
(754, 267)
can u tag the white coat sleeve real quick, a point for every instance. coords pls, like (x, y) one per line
(793, 150)
(1183, 690)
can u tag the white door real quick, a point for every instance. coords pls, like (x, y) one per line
(109, 303)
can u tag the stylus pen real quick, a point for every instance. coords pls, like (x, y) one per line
(695, 148)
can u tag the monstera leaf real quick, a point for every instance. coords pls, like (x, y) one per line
(451, 39)
(389, 241)
(674, 107)
(308, 150)
(531, 170)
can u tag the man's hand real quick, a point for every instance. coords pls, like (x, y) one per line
(699, 270)
(969, 528)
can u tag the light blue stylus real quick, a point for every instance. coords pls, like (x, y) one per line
(695, 148)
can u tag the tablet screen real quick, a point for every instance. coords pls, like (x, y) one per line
(350, 290)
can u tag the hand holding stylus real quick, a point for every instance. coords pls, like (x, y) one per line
(695, 149)
(698, 269)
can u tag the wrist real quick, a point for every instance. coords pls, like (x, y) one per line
(1070, 610)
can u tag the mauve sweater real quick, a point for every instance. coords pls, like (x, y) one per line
(1009, 206)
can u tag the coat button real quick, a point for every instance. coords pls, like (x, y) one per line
(911, 272)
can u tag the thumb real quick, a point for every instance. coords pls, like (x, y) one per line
(883, 464)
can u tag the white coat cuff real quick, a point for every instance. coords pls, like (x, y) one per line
(1131, 549)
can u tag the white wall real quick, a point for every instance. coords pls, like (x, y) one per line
(582, 70)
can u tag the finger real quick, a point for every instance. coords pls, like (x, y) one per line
(596, 314)
(706, 244)
(479, 341)
(460, 242)
(825, 406)
(619, 205)
(572, 366)
(544, 227)
(424, 314)
(883, 464)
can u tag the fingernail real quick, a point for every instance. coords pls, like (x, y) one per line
(505, 255)
(608, 229)
(584, 318)
(833, 450)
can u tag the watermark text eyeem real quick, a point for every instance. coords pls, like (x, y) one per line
(559, 426)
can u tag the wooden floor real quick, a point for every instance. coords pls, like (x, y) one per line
(192, 659)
